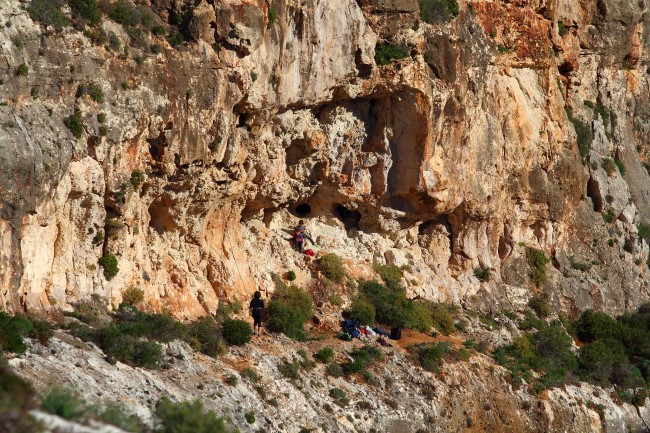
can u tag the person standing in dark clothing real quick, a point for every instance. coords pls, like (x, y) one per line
(257, 309)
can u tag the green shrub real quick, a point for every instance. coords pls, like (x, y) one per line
(203, 335)
(109, 263)
(580, 266)
(430, 355)
(644, 231)
(237, 332)
(115, 414)
(290, 369)
(86, 9)
(12, 331)
(592, 325)
(599, 359)
(418, 316)
(325, 355)
(540, 305)
(41, 331)
(437, 11)
(483, 275)
(362, 358)
(250, 417)
(174, 39)
(22, 70)
(332, 267)
(291, 276)
(62, 403)
(530, 321)
(362, 310)
(390, 275)
(620, 165)
(47, 12)
(386, 53)
(251, 375)
(553, 352)
(133, 295)
(583, 133)
(340, 397)
(335, 370)
(273, 16)
(147, 354)
(336, 300)
(74, 124)
(159, 327)
(537, 261)
(289, 309)
(187, 417)
(137, 177)
(231, 380)
(442, 316)
(609, 216)
(609, 166)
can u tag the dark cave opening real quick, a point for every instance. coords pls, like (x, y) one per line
(303, 209)
(349, 218)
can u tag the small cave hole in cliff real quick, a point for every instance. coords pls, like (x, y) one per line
(593, 192)
(349, 218)
(303, 209)
(160, 218)
(565, 68)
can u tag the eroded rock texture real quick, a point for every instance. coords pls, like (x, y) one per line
(457, 157)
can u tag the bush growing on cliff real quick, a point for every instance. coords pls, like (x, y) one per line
(47, 12)
(332, 267)
(74, 124)
(109, 263)
(13, 329)
(133, 295)
(62, 403)
(390, 275)
(437, 11)
(204, 335)
(86, 9)
(386, 53)
(540, 305)
(187, 417)
(325, 355)
(237, 332)
(362, 310)
(583, 134)
(17, 398)
(430, 355)
(289, 309)
(537, 261)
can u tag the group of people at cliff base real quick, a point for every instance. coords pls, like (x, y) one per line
(353, 329)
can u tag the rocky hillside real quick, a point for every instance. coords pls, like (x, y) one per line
(185, 138)
(492, 150)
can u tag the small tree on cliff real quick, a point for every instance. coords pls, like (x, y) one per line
(109, 263)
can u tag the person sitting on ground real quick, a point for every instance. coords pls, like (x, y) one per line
(257, 310)
(301, 228)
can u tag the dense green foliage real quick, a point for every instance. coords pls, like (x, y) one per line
(325, 355)
(187, 417)
(483, 275)
(237, 332)
(48, 13)
(362, 358)
(14, 328)
(133, 295)
(436, 11)
(204, 335)
(109, 263)
(537, 262)
(289, 309)
(430, 355)
(540, 305)
(362, 310)
(86, 9)
(583, 134)
(386, 53)
(332, 267)
(393, 308)
(62, 403)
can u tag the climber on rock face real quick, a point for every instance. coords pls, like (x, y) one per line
(257, 310)
(302, 229)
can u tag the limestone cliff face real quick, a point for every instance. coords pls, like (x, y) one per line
(457, 157)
